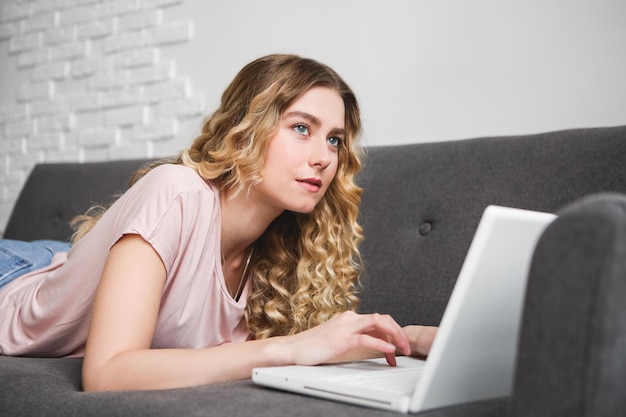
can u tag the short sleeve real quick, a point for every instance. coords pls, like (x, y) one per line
(165, 208)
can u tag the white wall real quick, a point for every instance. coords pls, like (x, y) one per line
(429, 70)
(103, 79)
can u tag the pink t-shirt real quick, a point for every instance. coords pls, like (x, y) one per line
(47, 312)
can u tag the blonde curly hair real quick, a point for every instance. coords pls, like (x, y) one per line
(305, 267)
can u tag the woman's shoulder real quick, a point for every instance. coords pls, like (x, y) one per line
(167, 183)
(173, 170)
(178, 178)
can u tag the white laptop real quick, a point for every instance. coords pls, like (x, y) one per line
(474, 353)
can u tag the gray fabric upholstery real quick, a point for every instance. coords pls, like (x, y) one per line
(55, 193)
(421, 206)
(49, 388)
(422, 203)
(572, 359)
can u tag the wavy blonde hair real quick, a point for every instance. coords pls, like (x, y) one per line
(305, 267)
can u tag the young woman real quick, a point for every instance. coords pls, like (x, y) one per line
(241, 252)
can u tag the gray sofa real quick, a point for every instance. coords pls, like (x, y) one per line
(421, 205)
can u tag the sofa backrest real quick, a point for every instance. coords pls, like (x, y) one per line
(55, 193)
(421, 203)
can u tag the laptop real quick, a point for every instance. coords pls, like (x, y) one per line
(474, 353)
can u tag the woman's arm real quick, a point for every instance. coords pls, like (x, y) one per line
(118, 354)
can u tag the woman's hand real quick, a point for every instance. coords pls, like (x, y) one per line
(348, 336)
(420, 338)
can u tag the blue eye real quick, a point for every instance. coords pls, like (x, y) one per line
(334, 141)
(301, 129)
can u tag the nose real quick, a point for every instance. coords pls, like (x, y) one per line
(319, 154)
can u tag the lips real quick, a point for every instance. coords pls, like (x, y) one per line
(312, 184)
(313, 181)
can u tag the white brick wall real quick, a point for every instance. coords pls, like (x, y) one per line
(96, 87)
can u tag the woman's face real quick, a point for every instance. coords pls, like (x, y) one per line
(301, 159)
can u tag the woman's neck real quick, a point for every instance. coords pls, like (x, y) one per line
(244, 220)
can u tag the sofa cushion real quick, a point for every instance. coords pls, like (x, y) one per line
(50, 387)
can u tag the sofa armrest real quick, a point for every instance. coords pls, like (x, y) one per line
(572, 353)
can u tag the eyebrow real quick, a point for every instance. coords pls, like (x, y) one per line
(314, 121)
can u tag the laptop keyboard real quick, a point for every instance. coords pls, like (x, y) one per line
(398, 381)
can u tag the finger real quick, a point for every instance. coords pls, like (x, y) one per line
(391, 359)
(371, 343)
(385, 327)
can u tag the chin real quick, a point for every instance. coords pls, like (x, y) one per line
(305, 209)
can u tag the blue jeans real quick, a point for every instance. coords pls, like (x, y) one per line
(18, 258)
